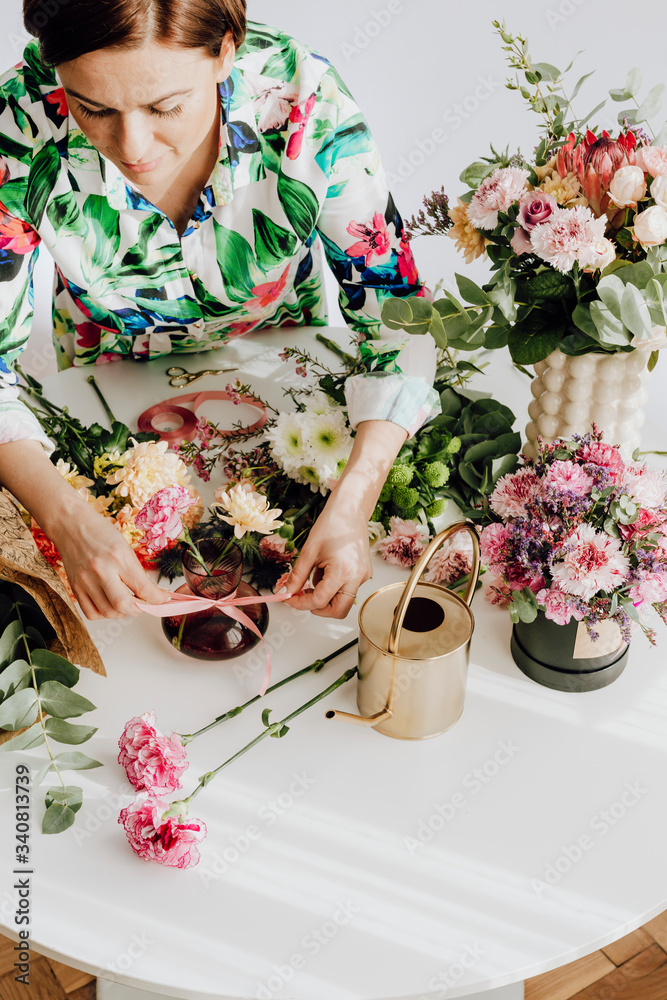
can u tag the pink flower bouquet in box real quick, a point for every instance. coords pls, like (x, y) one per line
(580, 535)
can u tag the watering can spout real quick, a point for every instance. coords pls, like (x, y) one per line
(360, 720)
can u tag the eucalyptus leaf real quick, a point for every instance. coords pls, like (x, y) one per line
(470, 291)
(611, 332)
(31, 738)
(651, 104)
(75, 761)
(59, 701)
(57, 818)
(579, 84)
(396, 313)
(66, 732)
(52, 667)
(610, 291)
(547, 71)
(633, 81)
(635, 313)
(8, 640)
(20, 710)
(70, 795)
(661, 137)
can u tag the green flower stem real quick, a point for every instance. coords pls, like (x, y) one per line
(91, 381)
(338, 351)
(214, 565)
(312, 668)
(275, 729)
(187, 537)
(40, 714)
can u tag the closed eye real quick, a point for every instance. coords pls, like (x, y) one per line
(87, 113)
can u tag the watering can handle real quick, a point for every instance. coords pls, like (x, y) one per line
(421, 565)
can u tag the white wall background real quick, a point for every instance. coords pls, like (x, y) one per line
(419, 65)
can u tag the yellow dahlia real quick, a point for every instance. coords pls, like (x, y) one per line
(147, 468)
(71, 474)
(469, 241)
(100, 504)
(566, 190)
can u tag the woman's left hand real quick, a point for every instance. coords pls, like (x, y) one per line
(338, 555)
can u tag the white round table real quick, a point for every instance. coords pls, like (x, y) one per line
(341, 864)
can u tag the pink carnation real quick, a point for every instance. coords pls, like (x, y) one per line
(161, 517)
(599, 453)
(452, 561)
(496, 194)
(272, 548)
(652, 589)
(171, 841)
(404, 544)
(647, 521)
(513, 491)
(517, 577)
(558, 607)
(493, 543)
(569, 235)
(152, 761)
(593, 561)
(647, 487)
(568, 477)
(653, 160)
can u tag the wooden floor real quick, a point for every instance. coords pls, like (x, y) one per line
(634, 968)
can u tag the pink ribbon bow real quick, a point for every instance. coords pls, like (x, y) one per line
(185, 604)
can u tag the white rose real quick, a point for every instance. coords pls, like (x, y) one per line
(659, 191)
(650, 228)
(600, 254)
(628, 185)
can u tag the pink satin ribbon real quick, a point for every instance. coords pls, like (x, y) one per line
(187, 431)
(185, 604)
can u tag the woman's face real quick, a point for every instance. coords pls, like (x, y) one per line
(147, 110)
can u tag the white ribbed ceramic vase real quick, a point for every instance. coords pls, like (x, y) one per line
(571, 394)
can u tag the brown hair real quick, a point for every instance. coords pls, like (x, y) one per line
(67, 29)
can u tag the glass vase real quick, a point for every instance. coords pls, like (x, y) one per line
(212, 634)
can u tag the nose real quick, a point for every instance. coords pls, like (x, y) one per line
(133, 140)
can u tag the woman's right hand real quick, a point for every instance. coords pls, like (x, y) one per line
(102, 569)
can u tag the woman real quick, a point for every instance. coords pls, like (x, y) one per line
(180, 174)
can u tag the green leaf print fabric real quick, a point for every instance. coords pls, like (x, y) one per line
(298, 183)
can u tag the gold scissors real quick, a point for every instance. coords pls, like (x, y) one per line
(180, 377)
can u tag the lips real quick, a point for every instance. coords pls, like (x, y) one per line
(143, 168)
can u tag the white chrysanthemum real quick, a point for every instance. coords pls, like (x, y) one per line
(286, 439)
(147, 468)
(247, 511)
(328, 436)
(376, 532)
(319, 402)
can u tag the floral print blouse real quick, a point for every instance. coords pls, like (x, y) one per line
(298, 169)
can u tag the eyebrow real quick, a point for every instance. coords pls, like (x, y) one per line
(160, 100)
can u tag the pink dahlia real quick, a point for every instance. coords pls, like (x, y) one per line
(513, 491)
(568, 477)
(602, 454)
(374, 242)
(653, 160)
(647, 487)
(570, 235)
(170, 841)
(152, 761)
(558, 607)
(493, 543)
(161, 517)
(404, 544)
(593, 561)
(496, 194)
(452, 561)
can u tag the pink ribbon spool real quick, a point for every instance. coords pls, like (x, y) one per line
(186, 420)
(185, 604)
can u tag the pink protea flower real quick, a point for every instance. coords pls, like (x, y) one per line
(513, 491)
(495, 194)
(599, 453)
(404, 544)
(601, 159)
(170, 841)
(558, 607)
(570, 235)
(647, 487)
(161, 517)
(452, 561)
(493, 544)
(653, 160)
(593, 561)
(374, 242)
(153, 762)
(568, 477)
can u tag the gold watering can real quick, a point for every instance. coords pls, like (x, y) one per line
(412, 673)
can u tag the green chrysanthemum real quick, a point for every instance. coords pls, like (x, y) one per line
(437, 508)
(436, 474)
(405, 497)
(400, 475)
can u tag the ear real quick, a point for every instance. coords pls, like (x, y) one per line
(226, 57)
